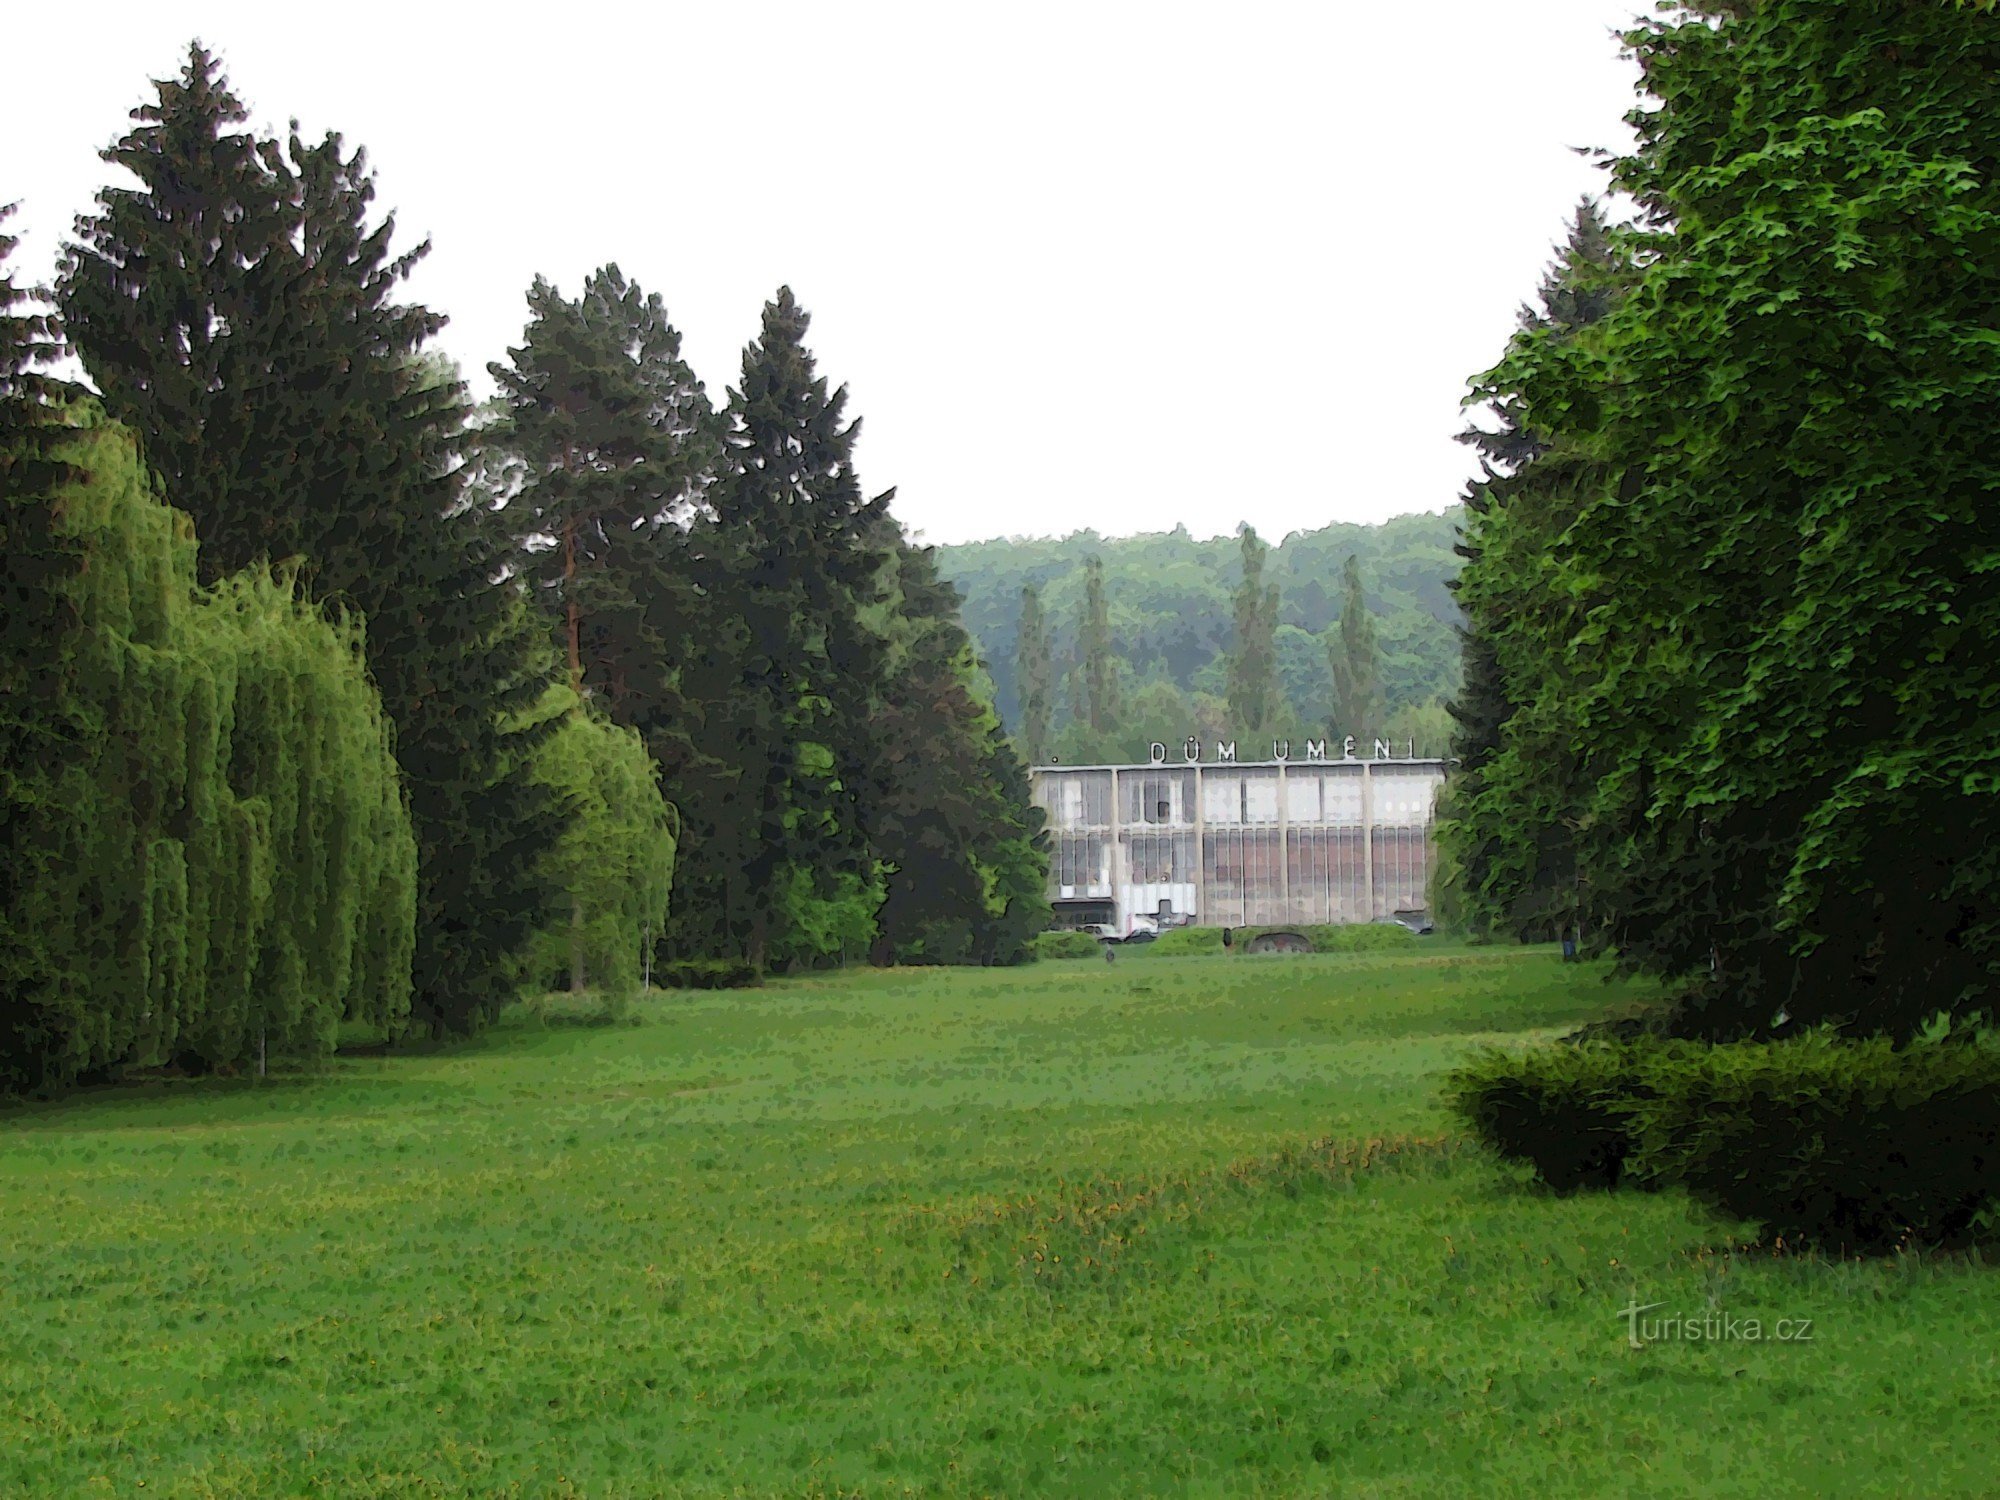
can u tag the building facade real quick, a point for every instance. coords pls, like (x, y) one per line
(1227, 844)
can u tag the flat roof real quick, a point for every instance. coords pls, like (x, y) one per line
(1241, 765)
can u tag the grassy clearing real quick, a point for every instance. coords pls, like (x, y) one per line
(1170, 1226)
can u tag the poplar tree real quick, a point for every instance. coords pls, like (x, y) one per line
(1033, 670)
(1351, 654)
(237, 310)
(1254, 697)
(1099, 666)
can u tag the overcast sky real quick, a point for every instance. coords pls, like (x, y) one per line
(1080, 265)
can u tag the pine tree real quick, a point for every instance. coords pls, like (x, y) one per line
(236, 310)
(778, 782)
(1351, 653)
(1254, 698)
(609, 439)
(1033, 666)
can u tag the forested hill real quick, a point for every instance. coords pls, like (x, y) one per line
(1170, 599)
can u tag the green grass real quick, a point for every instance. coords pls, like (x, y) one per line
(1165, 1227)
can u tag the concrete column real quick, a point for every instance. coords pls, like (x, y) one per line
(1116, 860)
(1367, 843)
(1284, 849)
(1201, 913)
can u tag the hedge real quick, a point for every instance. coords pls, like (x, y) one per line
(1065, 945)
(1849, 1145)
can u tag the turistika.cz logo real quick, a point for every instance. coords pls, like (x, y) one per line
(1712, 1327)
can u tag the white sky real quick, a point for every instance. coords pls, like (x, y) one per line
(1117, 266)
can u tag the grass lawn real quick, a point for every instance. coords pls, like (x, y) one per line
(1178, 1226)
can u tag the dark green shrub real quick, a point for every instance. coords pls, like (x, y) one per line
(707, 974)
(1566, 1109)
(1360, 937)
(1849, 1145)
(1066, 945)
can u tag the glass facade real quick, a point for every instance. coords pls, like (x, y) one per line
(1227, 845)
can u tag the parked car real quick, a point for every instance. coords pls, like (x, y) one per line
(1418, 922)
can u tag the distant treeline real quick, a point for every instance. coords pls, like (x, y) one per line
(1177, 622)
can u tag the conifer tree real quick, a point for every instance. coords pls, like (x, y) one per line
(1033, 667)
(1351, 653)
(611, 440)
(1254, 697)
(39, 724)
(237, 310)
(1528, 886)
(779, 780)
(954, 830)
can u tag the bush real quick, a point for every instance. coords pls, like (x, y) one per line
(1852, 1145)
(707, 974)
(1849, 1145)
(1359, 937)
(1065, 945)
(1566, 1110)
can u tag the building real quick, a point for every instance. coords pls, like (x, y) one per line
(1228, 844)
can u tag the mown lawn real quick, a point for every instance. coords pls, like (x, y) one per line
(1175, 1226)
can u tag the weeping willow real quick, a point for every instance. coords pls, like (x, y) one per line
(231, 870)
(616, 857)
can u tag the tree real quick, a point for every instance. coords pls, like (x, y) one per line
(955, 833)
(609, 439)
(223, 863)
(236, 310)
(791, 560)
(1255, 703)
(1099, 667)
(1754, 645)
(1510, 872)
(1351, 655)
(40, 722)
(1033, 669)
(615, 861)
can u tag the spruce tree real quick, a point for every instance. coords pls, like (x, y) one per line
(1357, 673)
(237, 310)
(40, 725)
(1033, 668)
(1527, 886)
(954, 818)
(1254, 698)
(778, 779)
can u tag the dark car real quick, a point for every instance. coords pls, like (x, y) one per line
(1418, 922)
